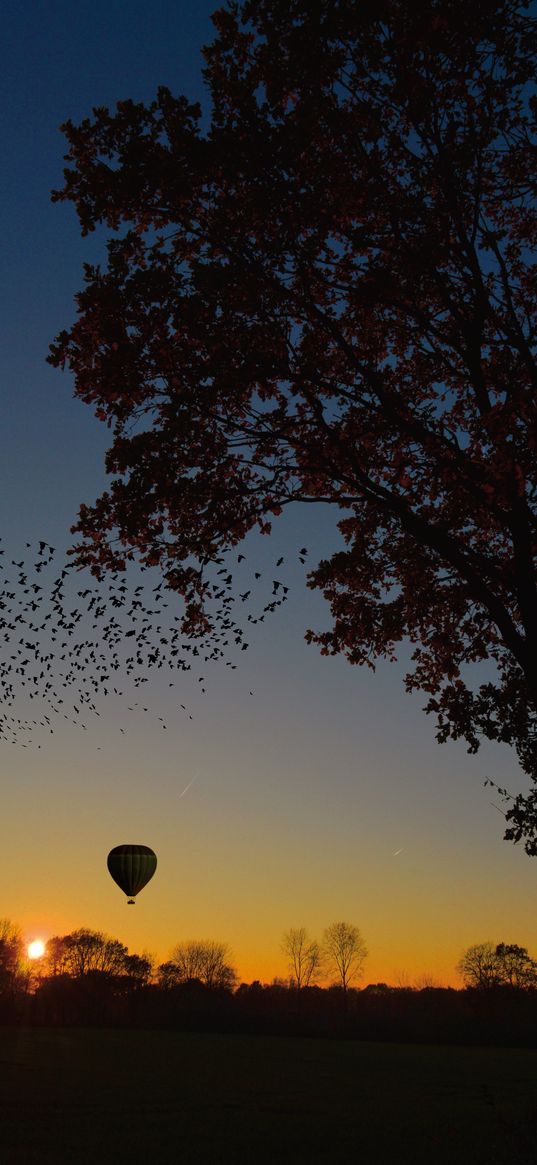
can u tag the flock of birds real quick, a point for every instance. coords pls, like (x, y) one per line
(66, 645)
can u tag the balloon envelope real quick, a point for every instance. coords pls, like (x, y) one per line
(131, 867)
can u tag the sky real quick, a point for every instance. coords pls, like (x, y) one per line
(321, 796)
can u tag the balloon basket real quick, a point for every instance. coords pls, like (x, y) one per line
(131, 902)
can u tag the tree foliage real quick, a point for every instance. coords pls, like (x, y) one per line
(329, 295)
(85, 951)
(11, 956)
(486, 966)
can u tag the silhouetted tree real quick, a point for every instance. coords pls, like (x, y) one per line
(517, 968)
(344, 951)
(167, 975)
(427, 982)
(83, 951)
(11, 955)
(205, 960)
(329, 296)
(304, 956)
(138, 969)
(56, 956)
(478, 966)
(486, 966)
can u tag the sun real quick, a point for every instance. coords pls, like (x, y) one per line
(36, 949)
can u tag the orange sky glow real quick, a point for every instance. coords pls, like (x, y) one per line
(284, 825)
(322, 796)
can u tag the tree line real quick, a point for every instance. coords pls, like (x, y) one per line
(88, 978)
(340, 956)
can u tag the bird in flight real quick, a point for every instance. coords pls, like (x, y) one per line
(66, 640)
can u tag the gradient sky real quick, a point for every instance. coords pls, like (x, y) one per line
(303, 791)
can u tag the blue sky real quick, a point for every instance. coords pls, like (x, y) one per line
(304, 791)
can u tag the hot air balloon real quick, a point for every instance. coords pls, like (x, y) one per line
(132, 867)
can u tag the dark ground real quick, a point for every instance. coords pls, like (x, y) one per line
(76, 1096)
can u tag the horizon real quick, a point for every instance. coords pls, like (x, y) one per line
(400, 978)
(322, 795)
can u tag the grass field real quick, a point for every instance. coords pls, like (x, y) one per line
(77, 1096)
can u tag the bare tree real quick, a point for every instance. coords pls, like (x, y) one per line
(345, 952)
(205, 960)
(401, 980)
(479, 967)
(304, 956)
(426, 981)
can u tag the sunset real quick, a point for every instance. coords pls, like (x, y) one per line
(267, 568)
(36, 948)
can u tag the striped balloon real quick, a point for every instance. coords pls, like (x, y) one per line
(131, 867)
